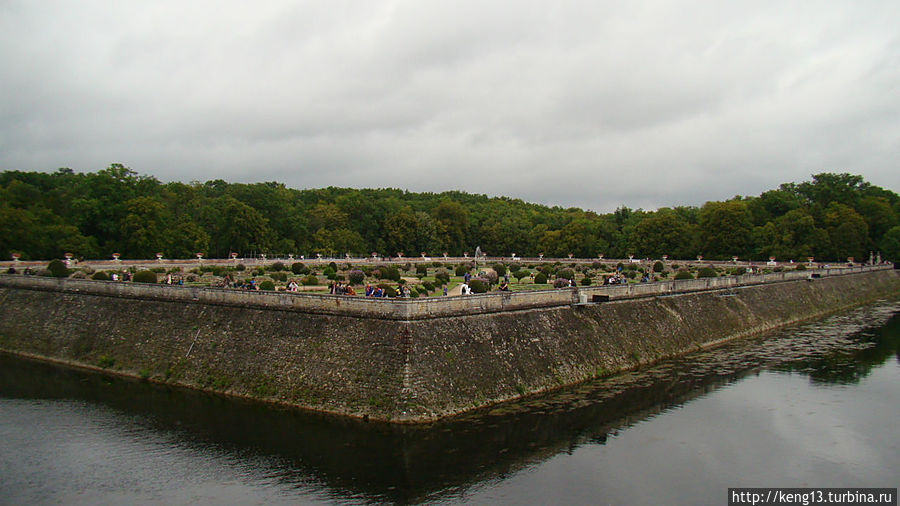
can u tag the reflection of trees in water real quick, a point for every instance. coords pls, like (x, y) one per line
(873, 347)
(418, 463)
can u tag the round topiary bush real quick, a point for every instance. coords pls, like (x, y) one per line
(267, 285)
(461, 270)
(100, 276)
(356, 276)
(391, 273)
(523, 273)
(706, 272)
(442, 276)
(299, 268)
(565, 273)
(561, 283)
(658, 266)
(683, 274)
(514, 268)
(240, 267)
(310, 281)
(586, 281)
(58, 269)
(277, 267)
(144, 277)
(428, 285)
(421, 269)
(389, 290)
(540, 278)
(479, 285)
(491, 277)
(500, 269)
(739, 271)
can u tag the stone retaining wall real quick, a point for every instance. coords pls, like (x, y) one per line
(407, 309)
(363, 359)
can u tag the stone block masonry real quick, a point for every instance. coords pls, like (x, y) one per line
(399, 360)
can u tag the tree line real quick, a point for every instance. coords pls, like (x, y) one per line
(92, 215)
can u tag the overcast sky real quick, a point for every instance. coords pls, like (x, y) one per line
(592, 104)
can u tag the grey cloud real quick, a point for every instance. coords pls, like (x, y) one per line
(592, 104)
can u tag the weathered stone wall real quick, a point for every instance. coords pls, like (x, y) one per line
(386, 368)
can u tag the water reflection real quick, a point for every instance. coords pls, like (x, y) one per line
(375, 462)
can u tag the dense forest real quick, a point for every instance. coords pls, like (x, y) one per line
(92, 215)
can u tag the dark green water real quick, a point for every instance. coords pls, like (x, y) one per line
(813, 405)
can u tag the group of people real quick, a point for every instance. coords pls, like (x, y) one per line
(338, 288)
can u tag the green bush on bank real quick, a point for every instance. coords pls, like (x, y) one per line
(706, 272)
(144, 277)
(58, 269)
(683, 274)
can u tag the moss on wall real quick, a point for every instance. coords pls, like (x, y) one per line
(395, 370)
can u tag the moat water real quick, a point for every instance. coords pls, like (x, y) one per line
(813, 405)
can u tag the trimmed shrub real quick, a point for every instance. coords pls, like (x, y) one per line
(479, 285)
(586, 281)
(491, 277)
(739, 271)
(240, 267)
(279, 276)
(267, 285)
(299, 268)
(100, 276)
(597, 265)
(58, 269)
(540, 278)
(683, 274)
(421, 269)
(706, 272)
(407, 266)
(329, 271)
(521, 274)
(333, 266)
(277, 267)
(310, 281)
(514, 268)
(144, 277)
(391, 273)
(658, 266)
(800, 267)
(437, 264)
(356, 276)
(388, 289)
(428, 285)
(442, 276)
(500, 269)
(630, 274)
(565, 273)
(561, 283)
(461, 270)
(413, 294)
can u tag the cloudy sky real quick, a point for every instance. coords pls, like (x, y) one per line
(591, 103)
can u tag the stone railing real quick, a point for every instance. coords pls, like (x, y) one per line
(411, 309)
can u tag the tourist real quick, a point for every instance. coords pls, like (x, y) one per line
(504, 286)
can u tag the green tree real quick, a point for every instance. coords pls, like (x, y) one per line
(726, 229)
